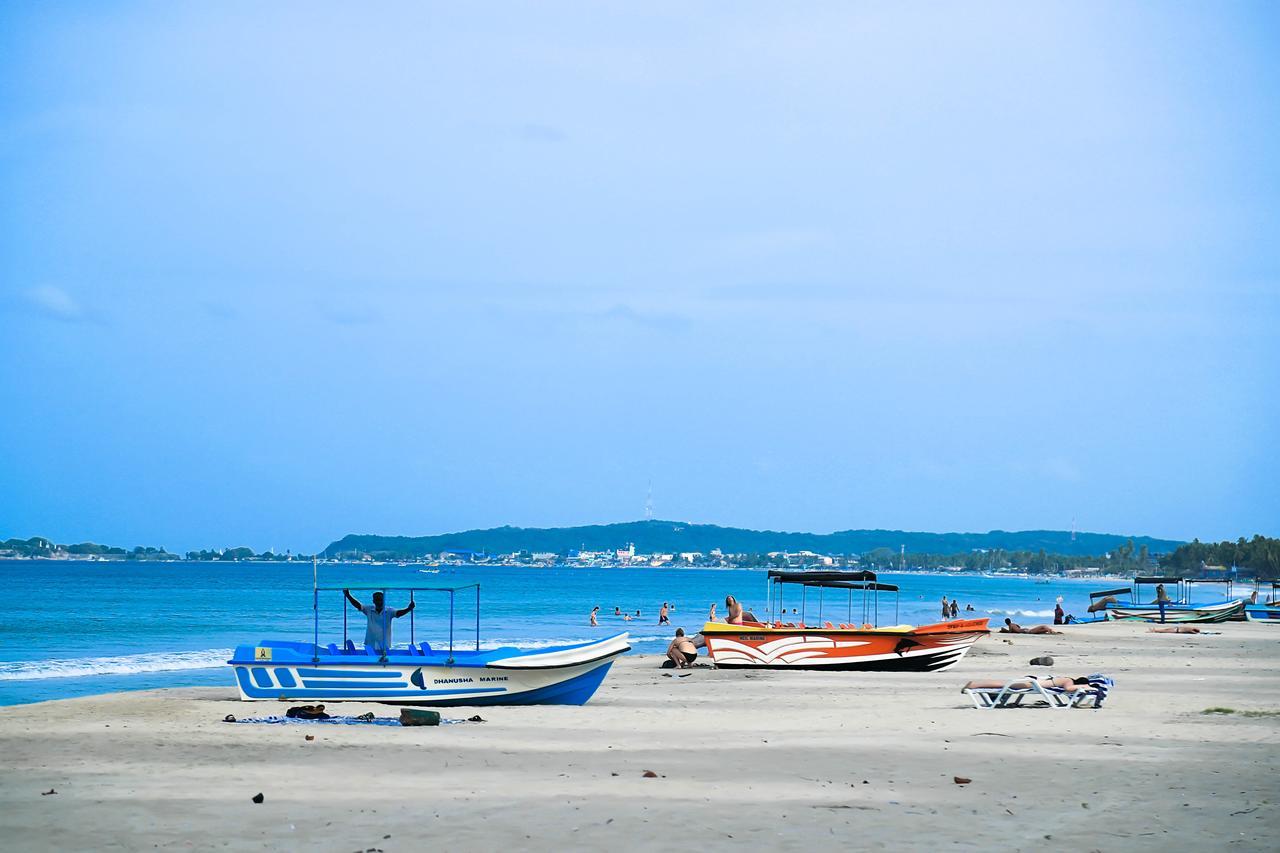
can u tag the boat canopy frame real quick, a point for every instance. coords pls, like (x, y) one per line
(863, 581)
(451, 590)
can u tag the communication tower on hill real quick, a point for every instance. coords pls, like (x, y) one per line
(648, 503)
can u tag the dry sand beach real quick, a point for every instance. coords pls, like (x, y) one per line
(774, 760)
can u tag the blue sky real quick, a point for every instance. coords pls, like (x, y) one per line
(270, 275)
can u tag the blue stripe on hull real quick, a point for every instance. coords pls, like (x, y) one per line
(573, 691)
(348, 673)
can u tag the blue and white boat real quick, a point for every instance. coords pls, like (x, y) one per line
(1164, 608)
(1267, 610)
(419, 674)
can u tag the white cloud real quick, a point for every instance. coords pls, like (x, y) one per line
(54, 302)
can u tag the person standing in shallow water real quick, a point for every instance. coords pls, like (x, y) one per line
(594, 611)
(663, 618)
(946, 610)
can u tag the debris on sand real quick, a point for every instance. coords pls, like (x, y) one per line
(961, 780)
(257, 798)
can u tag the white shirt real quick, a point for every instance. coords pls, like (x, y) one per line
(378, 634)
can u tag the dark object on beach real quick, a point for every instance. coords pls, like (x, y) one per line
(961, 780)
(229, 719)
(649, 774)
(367, 716)
(476, 719)
(309, 737)
(307, 712)
(419, 717)
(257, 798)
(1045, 660)
(48, 792)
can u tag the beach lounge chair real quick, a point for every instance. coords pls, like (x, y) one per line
(1013, 692)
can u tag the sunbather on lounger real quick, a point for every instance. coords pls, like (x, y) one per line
(1011, 627)
(1061, 683)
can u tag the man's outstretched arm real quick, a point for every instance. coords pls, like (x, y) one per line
(357, 605)
(412, 604)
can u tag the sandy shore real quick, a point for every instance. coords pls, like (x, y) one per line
(774, 759)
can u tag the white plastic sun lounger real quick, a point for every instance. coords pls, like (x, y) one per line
(1013, 692)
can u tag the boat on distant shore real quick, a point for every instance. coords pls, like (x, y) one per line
(848, 645)
(1165, 607)
(1267, 610)
(420, 674)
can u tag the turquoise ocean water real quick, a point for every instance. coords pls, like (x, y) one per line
(79, 628)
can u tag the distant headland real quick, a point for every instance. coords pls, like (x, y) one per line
(681, 544)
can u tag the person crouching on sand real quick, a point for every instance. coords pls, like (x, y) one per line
(681, 653)
(1011, 627)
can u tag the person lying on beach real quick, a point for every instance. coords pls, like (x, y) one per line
(1011, 627)
(377, 636)
(736, 615)
(682, 652)
(1071, 685)
(1174, 629)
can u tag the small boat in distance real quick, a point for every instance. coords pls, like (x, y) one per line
(1267, 610)
(419, 674)
(838, 646)
(1175, 608)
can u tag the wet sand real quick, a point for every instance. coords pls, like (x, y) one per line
(779, 760)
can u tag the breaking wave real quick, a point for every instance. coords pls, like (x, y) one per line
(210, 658)
(1032, 613)
(544, 644)
(123, 665)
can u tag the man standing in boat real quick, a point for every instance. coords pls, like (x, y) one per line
(377, 636)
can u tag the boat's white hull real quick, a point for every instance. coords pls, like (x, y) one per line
(566, 676)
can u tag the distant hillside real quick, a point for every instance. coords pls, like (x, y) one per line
(675, 536)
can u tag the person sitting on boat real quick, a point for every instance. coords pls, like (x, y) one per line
(377, 636)
(1103, 603)
(1012, 627)
(681, 653)
(736, 615)
(1162, 597)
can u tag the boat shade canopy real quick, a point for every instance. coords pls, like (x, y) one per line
(819, 578)
(1207, 580)
(1124, 590)
(877, 587)
(1156, 580)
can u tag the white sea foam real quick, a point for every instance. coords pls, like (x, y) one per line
(123, 665)
(209, 658)
(525, 643)
(1031, 613)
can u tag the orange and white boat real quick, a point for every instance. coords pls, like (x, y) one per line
(864, 645)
